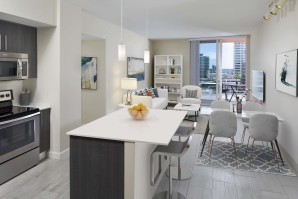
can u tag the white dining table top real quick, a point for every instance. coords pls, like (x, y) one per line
(158, 128)
(205, 110)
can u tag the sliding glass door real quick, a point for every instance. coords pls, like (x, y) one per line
(208, 71)
(219, 67)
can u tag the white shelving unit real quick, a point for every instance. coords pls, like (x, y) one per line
(168, 73)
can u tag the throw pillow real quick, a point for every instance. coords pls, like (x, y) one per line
(151, 93)
(191, 93)
(155, 92)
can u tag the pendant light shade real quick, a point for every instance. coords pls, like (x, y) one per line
(147, 52)
(147, 57)
(121, 47)
(121, 52)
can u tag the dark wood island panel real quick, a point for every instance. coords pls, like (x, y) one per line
(96, 168)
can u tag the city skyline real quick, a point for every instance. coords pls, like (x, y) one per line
(209, 50)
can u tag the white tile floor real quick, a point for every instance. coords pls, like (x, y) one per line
(209, 182)
(50, 180)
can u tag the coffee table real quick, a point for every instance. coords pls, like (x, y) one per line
(189, 107)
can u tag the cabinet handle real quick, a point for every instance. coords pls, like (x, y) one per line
(0, 42)
(5, 42)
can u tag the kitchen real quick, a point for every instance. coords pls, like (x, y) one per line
(59, 44)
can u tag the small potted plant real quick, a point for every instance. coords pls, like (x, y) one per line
(237, 77)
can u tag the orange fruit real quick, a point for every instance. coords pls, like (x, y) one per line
(134, 112)
(139, 115)
(138, 108)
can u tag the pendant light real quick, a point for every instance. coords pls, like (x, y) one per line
(121, 46)
(146, 52)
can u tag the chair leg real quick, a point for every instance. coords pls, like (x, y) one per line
(170, 181)
(276, 144)
(275, 155)
(234, 146)
(251, 153)
(243, 135)
(210, 152)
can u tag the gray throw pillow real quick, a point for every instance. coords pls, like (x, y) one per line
(191, 93)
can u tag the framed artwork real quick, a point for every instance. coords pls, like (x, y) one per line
(136, 68)
(286, 72)
(89, 73)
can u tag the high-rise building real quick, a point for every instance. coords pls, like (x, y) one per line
(204, 67)
(240, 60)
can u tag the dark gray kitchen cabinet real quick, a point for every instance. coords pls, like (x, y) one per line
(44, 137)
(17, 38)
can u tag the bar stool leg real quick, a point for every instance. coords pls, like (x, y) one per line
(169, 194)
(180, 173)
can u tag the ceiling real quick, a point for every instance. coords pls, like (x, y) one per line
(181, 18)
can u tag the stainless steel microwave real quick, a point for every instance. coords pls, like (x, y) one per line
(13, 66)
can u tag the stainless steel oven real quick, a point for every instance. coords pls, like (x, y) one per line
(18, 136)
(13, 66)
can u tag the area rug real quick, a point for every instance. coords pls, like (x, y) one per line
(262, 158)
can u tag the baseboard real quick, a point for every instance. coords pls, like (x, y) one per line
(62, 155)
(286, 156)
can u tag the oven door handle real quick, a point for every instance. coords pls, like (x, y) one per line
(18, 119)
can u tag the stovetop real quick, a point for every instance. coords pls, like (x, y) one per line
(12, 112)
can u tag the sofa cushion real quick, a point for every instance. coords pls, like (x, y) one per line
(159, 103)
(155, 92)
(190, 101)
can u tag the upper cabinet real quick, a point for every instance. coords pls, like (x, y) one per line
(18, 38)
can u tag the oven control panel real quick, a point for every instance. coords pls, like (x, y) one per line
(6, 95)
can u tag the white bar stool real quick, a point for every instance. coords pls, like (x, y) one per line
(174, 149)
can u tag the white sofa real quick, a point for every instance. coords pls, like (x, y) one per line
(160, 102)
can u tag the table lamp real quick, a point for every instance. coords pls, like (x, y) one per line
(128, 84)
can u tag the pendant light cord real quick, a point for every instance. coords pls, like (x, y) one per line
(121, 19)
(146, 22)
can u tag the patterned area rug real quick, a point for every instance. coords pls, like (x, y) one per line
(262, 158)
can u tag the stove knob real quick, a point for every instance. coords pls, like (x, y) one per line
(2, 96)
(7, 95)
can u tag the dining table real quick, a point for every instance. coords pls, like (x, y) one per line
(243, 115)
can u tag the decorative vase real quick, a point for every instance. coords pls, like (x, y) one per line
(239, 105)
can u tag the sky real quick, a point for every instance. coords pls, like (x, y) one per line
(209, 49)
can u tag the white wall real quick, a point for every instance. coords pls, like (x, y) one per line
(93, 101)
(30, 12)
(277, 35)
(59, 74)
(70, 70)
(115, 70)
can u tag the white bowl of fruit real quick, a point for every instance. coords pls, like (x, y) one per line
(138, 112)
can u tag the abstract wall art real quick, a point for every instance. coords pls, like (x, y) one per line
(286, 72)
(136, 68)
(89, 73)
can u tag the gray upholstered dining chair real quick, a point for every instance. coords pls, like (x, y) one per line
(222, 104)
(249, 106)
(222, 124)
(263, 127)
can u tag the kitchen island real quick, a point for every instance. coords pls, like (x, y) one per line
(110, 157)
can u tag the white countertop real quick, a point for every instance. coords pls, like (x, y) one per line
(40, 106)
(158, 128)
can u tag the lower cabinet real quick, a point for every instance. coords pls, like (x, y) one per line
(44, 137)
